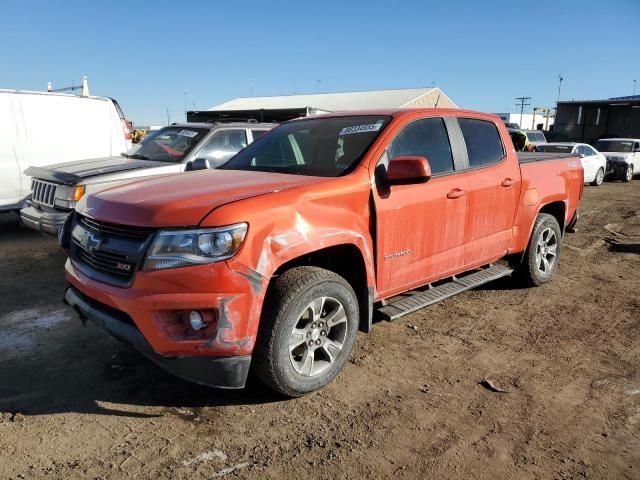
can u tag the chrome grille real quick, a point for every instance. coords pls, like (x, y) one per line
(43, 193)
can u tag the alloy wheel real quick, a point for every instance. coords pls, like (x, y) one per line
(546, 251)
(318, 336)
(599, 177)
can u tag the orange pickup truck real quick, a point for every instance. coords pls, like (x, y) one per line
(276, 259)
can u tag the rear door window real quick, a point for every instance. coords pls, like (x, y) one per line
(428, 138)
(484, 145)
(223, 145)
(588, 151)
(257, 133)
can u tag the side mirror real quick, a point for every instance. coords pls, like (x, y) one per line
(581, 155)
(407, 170)
(197, 164)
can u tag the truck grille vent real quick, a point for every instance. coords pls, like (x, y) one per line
(108, 252)
(43, 193)
(117, 265)
(121, 231)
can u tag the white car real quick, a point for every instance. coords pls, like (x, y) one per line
(594, 163)
(623, 156)
(42, 128)
(177, 148)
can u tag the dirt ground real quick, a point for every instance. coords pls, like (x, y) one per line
(410, 404)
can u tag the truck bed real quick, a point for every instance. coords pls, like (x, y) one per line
(529, 157)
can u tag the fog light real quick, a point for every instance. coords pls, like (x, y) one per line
(195, 319)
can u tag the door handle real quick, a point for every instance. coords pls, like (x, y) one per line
(456, 193)
(507, 182)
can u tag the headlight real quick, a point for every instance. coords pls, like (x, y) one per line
(67, 197)
(181, 248)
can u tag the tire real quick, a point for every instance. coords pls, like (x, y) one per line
(296, 307)
(628, 174)
(534, 271)
(599, 178)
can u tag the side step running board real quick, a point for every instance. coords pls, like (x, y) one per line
(409, 304)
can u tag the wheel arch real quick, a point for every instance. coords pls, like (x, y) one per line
(345, 260)
(558, 210)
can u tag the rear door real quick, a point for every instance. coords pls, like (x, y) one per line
(494, 187)
(590, 162)
(420, 227)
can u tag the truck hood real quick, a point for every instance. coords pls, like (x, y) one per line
(184, 199)
(620, 157)
(72, 173)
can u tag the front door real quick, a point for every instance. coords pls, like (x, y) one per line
(494, 188)
(420, 227)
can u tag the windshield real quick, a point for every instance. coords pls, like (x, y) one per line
(555, 148)
(168, 144)
(322, 147)
(614, 146)
(535, 137)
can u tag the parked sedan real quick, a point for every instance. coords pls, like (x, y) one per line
(594, 163)
(623, 156)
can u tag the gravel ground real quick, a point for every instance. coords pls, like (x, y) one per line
(411, 403)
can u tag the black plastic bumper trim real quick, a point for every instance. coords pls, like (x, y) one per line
(571, 226)
(218, 372)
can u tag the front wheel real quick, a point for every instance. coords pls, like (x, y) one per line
(307, 330)
(628, 174)
(543, 252)
(599, 178)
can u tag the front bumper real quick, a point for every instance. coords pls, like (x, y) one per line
(616, 168)
(43, 220)
(225, 372)
(157, 301)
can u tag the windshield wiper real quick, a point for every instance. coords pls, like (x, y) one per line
(137, 156)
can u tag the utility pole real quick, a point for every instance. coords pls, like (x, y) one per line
(168, 117)
(318, 86)
(523, 102)
(560, 79)
(634, 87)
(251, 89)
(185, 106)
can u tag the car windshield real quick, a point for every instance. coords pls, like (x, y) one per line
(614, 146)
(168, 144)
(322, 147)
(555, 148)
(535, 137)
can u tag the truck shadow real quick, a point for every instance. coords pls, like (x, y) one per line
(69, 369)
(624, 247)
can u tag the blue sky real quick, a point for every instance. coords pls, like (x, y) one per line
(483, 54)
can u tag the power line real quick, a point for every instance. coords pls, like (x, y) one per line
(523, 102)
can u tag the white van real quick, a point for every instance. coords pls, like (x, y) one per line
(43, 128)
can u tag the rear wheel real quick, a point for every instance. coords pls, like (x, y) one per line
(543, 252)
(307, 330)
(628, 174)
(599, 177)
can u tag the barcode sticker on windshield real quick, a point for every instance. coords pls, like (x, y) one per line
(187, 133)
(372, 127)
